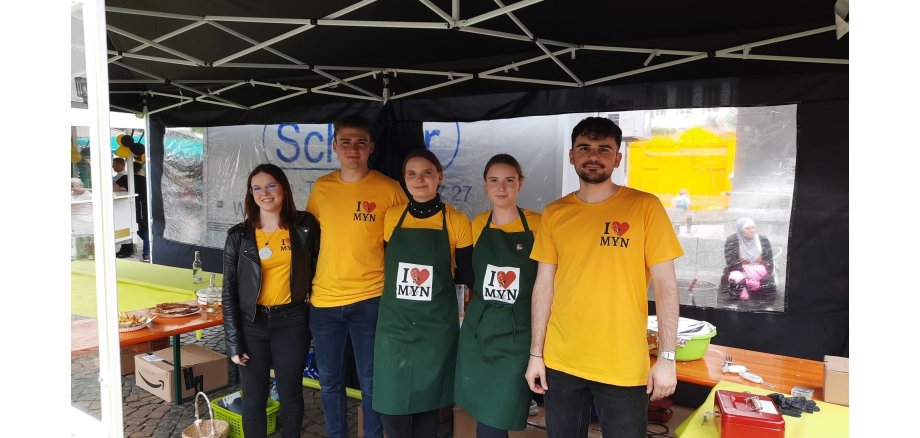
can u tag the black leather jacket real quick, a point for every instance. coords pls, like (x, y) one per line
(243, 275)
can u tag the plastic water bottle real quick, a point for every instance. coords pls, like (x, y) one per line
(273, 393)
(196, 268)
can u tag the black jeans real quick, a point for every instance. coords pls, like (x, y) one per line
(623, 410)
(420, 425)
(278, 340)
(486, 431)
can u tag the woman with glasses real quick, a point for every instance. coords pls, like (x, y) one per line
(495, 339)
(269, 261)
(428, 246)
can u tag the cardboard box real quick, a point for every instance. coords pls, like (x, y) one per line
(837, 380)
(202, 370)
(129, 351)
(465, 426)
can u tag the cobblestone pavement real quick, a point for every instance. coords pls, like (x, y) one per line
(146, 415)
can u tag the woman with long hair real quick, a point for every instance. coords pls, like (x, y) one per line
(415, 349)
(269, 261)
(495, 338)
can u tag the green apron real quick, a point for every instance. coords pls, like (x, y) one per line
(495, 337)
(415, 350)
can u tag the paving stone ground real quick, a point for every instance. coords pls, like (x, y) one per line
(146, 415)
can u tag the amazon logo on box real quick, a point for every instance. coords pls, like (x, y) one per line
(202, 370)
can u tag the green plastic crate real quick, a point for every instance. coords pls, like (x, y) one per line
(236, 420)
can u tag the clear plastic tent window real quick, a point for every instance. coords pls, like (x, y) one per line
(724, 175)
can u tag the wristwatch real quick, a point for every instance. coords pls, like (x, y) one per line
(669, 355)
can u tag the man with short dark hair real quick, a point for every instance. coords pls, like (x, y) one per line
(350, 204)
(597, 249)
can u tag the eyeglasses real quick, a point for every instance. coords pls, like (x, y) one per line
(270, 188)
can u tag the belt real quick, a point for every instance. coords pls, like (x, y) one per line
(276, 309)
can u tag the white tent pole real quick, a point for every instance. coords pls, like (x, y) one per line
(784, 58)
(495, 33)
(252, 41)
(432, 87)
(169, 107)
(539, 44)
(377, 23)
(497, 12)
(645, 69)
(349, 68)
(336, 14)
(230, 87)
(450, 20)
(430, 72)
(642, 50)
(455, 9)
(353, 78)
(160, 39)
(122, 108)
(261, 45)
(181, 81)
(265, 66)
(149, 58)
(353, 96)
(778, 39)
(525, 62)
(345, 83)
(269, 102)
(529, 81)
(557, 43)
(130, 11)
(94, 35)
(285, 35)
(154, 44)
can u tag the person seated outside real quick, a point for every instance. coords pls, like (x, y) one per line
(682, 203)
(748, 275)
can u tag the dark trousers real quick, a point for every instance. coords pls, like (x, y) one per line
(275, 340)
(486, 431)
(420, 425)
(623, 410)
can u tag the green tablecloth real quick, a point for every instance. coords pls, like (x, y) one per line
(832, 421)
(139, 285)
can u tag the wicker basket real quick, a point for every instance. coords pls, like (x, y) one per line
(212, 428)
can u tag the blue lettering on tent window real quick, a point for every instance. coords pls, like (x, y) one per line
(306, 147)
(290, 141)
(429, 135)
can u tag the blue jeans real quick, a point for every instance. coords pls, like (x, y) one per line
(622, 410)
(330, 327)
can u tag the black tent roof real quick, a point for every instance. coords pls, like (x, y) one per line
(168, 52)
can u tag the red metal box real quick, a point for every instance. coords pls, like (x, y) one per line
(746, 415)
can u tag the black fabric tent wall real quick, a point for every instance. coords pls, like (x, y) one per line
(816, 320)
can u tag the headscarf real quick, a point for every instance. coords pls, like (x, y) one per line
(748, 249)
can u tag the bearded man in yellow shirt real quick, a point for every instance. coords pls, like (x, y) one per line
(350, 204)
(597, 249)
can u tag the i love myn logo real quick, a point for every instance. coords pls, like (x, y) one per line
(413, 282)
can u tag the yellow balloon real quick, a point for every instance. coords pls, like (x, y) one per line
(118, 139)
(74, 154)
(123, 152)
(141, 158)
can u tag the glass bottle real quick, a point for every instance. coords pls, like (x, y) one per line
(196, 268)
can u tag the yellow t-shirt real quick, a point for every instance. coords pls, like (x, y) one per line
(515, 226)
(602, 252)
(276, 270)
(458, 227)
(350, 215)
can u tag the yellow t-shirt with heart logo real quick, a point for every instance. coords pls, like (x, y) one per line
(602, 252)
